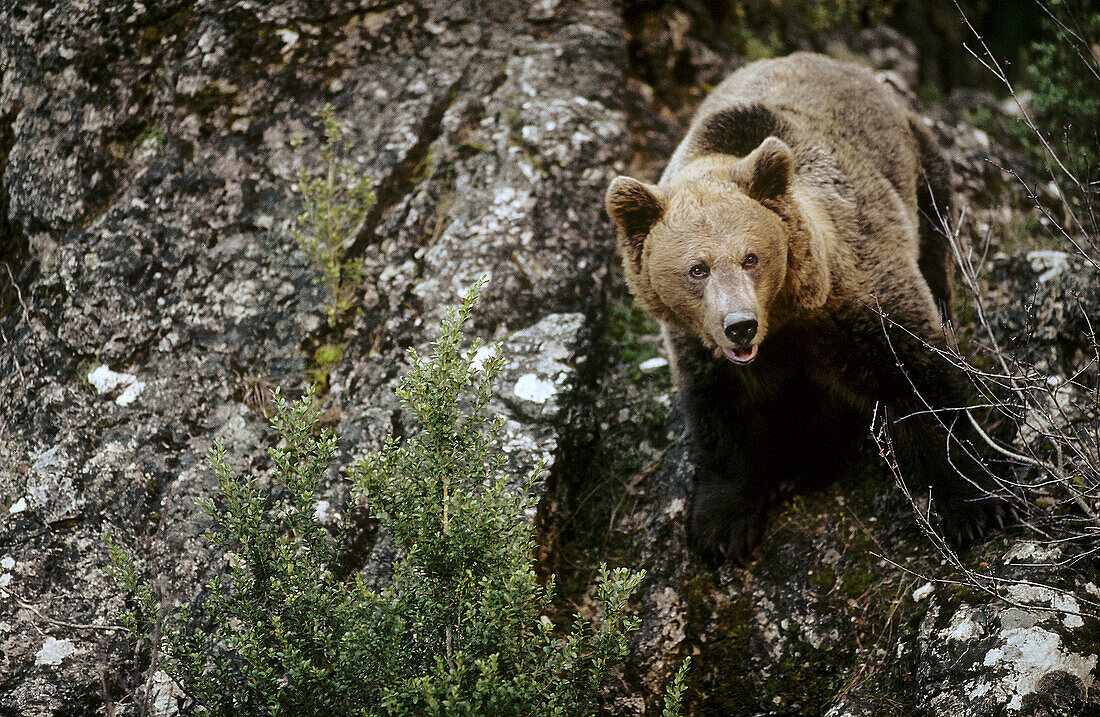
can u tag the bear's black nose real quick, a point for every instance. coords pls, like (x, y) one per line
(740, 327)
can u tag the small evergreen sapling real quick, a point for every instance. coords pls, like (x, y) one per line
(334, 206)
(459, 630)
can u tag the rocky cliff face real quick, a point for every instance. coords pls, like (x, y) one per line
(147, 189)
(150, 287)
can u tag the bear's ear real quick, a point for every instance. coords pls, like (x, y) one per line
(770, 167)
(636, 208)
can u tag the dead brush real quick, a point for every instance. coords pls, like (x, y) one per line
(1049, 419)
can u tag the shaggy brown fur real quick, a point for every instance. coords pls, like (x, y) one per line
(795, 208)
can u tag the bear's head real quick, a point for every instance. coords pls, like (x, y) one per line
(723, 250)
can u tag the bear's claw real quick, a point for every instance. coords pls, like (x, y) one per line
(966, 527)
(719, 537)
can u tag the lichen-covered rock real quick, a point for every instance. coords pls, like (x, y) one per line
(156, 293)
(1033, 651)
(793, 631)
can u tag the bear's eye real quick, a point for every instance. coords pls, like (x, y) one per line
(699, 271)
(750, 261)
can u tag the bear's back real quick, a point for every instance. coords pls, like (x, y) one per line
(816, 105)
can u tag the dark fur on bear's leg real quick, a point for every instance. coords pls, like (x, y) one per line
(965, 509)
(936, 445)
(724, 525)
(735, 458)
(748, 452)
(962, 486)
(728, 510)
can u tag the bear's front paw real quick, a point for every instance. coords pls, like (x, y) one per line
(722, 530)
(966, 523)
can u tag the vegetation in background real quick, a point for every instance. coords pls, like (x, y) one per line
(334, 206)
(459, 627)
(151, 141)
(1059, 91)
(768, 28)
(325, 357)
(1064, 65)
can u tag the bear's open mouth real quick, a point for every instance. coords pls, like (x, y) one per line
(745, 355)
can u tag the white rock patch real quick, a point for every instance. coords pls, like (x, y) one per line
(1027, 655)
(1048, 264)
(923, 591)
(165, 695)
(289, 38)
(530, 387)
(963, 626)
(54, 651)
(1027, 551)
(130, 393)
(1059, 601)
(107, 381)
(482, 355)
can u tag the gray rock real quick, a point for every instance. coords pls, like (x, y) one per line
(887, 50)
(147, 172)
(1033, 647)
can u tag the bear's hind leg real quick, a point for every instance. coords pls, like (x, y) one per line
(942, 455)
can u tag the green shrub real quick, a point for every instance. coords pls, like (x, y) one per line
(1064, 78)
(334, 206)
(675, 693)
(458, 630)
(1061, 78)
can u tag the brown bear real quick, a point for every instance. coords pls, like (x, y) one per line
(791, 254)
